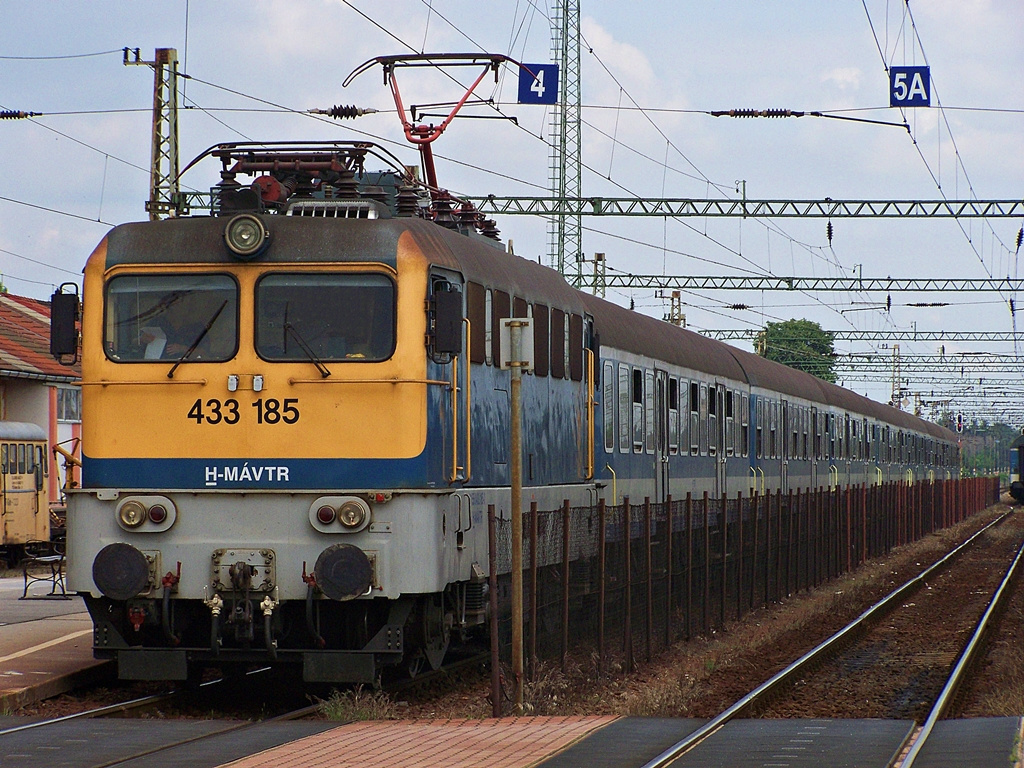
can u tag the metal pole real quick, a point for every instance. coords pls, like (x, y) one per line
(515, 333)
(649, 612)
(492, 582)
(566, 512)
(533, 590)
(601, 585)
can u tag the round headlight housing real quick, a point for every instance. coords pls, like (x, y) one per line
(132, 514)
(157, 514)
(352, 514)
(246, 236)
(326, 514)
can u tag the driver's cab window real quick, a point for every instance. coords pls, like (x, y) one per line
(171, 317)
(329, 317)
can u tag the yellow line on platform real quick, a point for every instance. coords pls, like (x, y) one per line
(44, 646)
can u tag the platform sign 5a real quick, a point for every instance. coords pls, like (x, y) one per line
(538, 84)
(910, 87)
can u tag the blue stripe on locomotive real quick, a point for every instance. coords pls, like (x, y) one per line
(256, 473)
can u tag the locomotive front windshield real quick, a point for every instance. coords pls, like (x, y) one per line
(171, 317)
(333, 317)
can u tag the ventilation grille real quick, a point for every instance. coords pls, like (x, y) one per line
(335, 209)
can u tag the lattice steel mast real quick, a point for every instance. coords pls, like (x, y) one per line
(163, 189)
(565, 230)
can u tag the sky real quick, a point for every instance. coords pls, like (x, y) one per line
(650, 73)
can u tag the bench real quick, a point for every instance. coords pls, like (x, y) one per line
(46, 565)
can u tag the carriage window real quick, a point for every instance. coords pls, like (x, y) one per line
(575, 350)
(520, 308)
(649, 409)
(703, 420)
(21, 458)
(476, 307)
(638, 410)
(558, 343)
(608, 394)
(624, 409)
(541, 364)
(501, 306)
(488, 327)
(730, 428)
(745, 424)
(332, 317)
(30, 459)
(694, 418)
(3, 457)
(673, 416)
(713, 432)
(153, 317)
(759, 426)
(12, 458)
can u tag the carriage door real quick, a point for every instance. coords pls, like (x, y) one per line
(661, 452)
(449, 345)
(788, 446)
(816, 448)
(717, 432)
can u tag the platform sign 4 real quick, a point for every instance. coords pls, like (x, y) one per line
(538, 84)
(910, 87)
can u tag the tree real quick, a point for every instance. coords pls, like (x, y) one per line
(800, 344)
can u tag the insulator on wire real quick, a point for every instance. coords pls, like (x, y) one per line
(340, 112)
(888, 303)
(756, 113)
(1020, 238)
(828, 232)
(739, 306)
(12, 114)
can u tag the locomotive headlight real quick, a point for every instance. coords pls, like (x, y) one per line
(132, 514)
(246, 236)
(146, 513)
(352, 514)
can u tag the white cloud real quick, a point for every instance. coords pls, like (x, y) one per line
(845, 78)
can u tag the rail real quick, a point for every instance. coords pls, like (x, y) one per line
(801, 665)
(967, 658)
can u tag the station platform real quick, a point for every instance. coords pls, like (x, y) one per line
(45, 645)
(631, 742)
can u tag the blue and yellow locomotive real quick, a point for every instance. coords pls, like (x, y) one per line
(294, 419)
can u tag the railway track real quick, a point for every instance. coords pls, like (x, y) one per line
(766, 697)
(177, 725)
(119, 744)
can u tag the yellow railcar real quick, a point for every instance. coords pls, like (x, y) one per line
(23, 473)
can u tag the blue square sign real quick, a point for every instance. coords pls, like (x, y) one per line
(910, 87)
(538, 84)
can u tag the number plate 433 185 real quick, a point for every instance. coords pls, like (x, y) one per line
(267, 411)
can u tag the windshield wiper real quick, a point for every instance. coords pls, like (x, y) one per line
(199, 338)
(289, 328)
